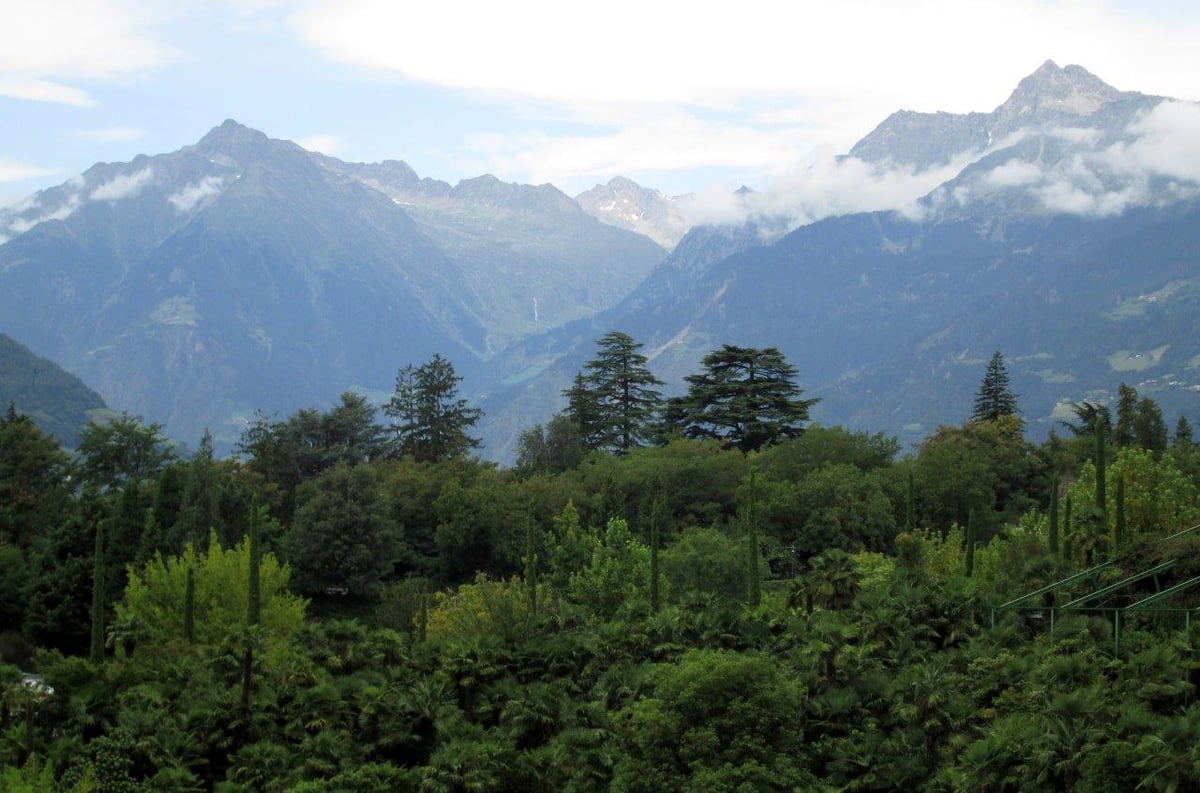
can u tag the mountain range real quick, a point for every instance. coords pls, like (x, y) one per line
(245, 273)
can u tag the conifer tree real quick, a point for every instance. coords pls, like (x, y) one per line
(431, 422)
(994, 398)
(615, 402)
(1101, 497)
(745, 397)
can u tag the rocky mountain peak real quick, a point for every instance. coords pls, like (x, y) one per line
(1070, 89)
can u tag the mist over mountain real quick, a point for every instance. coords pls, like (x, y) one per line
(244, 273)
(1055, 228)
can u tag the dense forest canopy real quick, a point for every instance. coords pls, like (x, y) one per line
(705, 594)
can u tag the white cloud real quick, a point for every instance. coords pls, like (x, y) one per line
(122, 186)
(14, 171)
(848, 64)
(108, 134)
(823, 186)
(46, 45)
(325, 144)
(68, 207)
(1014, 173)
(191, 195)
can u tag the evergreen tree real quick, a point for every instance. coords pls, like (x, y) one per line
(994, 398)
(615, 402)
(1124, 433)
(1183, 433)
(745, 397)
(431, 422)
(1149, 428)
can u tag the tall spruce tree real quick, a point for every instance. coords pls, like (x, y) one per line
(614, 400)
(994, 398)
(745, 397)
(430, 420)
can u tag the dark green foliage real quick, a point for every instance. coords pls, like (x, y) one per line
(1149, 428)
(122, 449)
(34, 480)
(1087, 415)
(341, 538)
(553, 448)
(1183, 432)
(200, 502)
(1124, 432)
(1100, 461)
(746, 398)
(310, 442)
(994, 397)
(429, 419)
(56, 401)
(614, 401)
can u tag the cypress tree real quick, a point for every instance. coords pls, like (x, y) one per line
(97, 648)
(254, 584)
(970, 559)
(1054, 516)
(1067, 529)
(910, 503)
(754, 575)
(1119, 529)
(1101, 498)
(531, 562)
(189, 606)
(656, 515)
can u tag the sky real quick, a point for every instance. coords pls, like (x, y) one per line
(680, 96)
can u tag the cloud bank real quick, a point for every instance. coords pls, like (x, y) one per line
(47, 45)
(122, 186)
(187, 197)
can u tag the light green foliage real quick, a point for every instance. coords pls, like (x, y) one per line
(153, 604)
(570, 548)
(1159, 499)
(38, 777)
(483, 611)
(617, 578)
